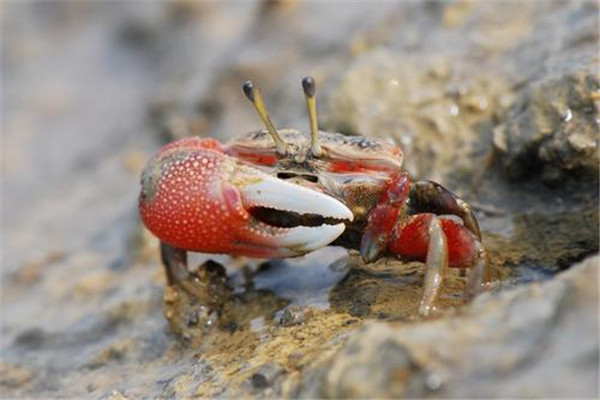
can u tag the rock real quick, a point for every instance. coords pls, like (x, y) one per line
(398, 370)
(116, 395)
(266, 375)
(556, 241)
(552, 129)
(534, 341)
(435, 117)
(14, 376)
(92, 91)
(295, 315)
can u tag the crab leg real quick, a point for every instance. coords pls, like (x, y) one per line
(178, 275)
(175, 262)
(410, 240)
(441, 242)
(479, 275)
(436, 265)
(428, 196)
(382, 219)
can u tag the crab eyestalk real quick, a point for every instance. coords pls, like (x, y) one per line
(309, 87)
(253, 94)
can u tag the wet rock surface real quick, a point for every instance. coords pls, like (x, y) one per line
(503, 345)
(552, 129)
(497, 101)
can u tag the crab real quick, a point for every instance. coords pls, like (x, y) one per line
(284, 193)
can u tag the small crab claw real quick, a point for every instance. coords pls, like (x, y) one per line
(202, 200)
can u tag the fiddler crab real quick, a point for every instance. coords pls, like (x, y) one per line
(283, 193)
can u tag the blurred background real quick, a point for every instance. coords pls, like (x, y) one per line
(498, 101)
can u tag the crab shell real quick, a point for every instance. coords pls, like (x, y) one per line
(244, 198)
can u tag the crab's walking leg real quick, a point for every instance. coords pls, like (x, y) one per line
(436, 265)
(441, 242)
(192, 297)
(479, 276)
(175, 262)
(383, 218)
(178, 275)
(428, 196)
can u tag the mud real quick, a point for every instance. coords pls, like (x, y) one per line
(496, 101)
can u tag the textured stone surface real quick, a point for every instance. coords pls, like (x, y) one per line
(552, 129)
(534, 341)
(477, 94)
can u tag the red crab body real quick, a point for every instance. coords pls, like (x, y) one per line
(261, 197)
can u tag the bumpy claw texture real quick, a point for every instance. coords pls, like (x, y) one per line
(185, 190)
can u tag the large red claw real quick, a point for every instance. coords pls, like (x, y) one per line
(195, 197)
